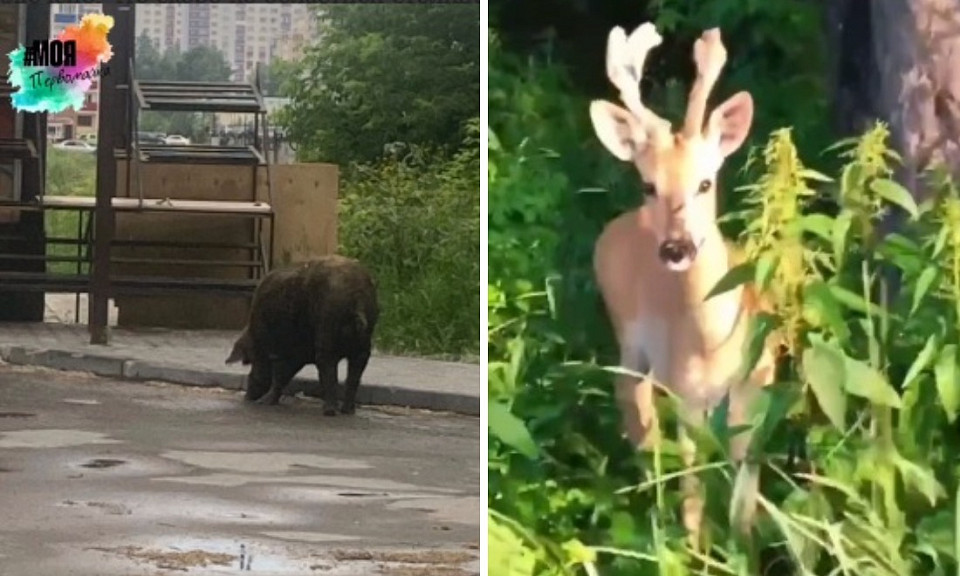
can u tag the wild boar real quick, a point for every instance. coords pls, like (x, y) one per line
(320, 313)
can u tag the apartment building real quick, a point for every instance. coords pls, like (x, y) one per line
(246, 34)
(162, 23)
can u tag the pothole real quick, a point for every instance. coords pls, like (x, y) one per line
(17, 415)
(103, 463)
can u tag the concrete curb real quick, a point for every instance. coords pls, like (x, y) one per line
(137, 370)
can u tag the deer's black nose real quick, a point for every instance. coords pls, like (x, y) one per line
(675, 251)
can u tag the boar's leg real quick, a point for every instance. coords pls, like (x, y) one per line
(283, 372)
(329, 386)
(356, 364)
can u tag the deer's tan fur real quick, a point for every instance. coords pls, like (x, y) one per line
(656, 302)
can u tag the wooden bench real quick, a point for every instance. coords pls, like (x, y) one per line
(88, 204)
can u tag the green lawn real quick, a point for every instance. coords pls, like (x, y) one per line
(68, 174)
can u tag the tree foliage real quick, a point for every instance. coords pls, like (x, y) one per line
(199, 64)
(275, 75)
(383, 74)
(415, 221)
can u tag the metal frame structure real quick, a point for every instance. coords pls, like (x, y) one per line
(125, 97)
(22, 240)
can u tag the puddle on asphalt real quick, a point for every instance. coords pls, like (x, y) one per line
(312, 537)
(111, 508)
(180, 509)
(351, 483)
(222, 556)
(52, 438)
(458, 510)
(103, 463)
(80, 401)
(16, 415)
(261, 462)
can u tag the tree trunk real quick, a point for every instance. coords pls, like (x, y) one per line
(899, 61)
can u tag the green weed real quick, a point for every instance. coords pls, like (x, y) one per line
(857, 440)
(415, 222)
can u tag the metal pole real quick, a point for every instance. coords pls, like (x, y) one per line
(111, 135)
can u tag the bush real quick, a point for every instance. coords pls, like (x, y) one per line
(857, 439)
(415, 221)
(867, 400)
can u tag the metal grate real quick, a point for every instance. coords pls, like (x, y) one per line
(173, 96)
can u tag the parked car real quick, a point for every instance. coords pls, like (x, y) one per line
(76, 146)
(152, 138)
(177, 140)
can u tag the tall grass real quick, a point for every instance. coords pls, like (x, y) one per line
(68, 174)
(857, 440)
(415, 222)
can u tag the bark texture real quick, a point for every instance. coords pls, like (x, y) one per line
(899, 61)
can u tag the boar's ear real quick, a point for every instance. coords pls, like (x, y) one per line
(238, 354)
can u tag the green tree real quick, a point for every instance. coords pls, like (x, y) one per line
(150, 63)
(201, 63)
(384, 74)
(275, 77)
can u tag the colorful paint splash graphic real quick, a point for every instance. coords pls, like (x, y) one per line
(54, 89)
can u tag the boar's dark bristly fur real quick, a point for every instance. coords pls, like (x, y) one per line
(318, 313)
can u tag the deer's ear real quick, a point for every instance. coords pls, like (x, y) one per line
(617, 129)
(730, 122)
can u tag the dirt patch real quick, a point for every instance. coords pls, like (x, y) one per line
(403, 556)
(423, 571)
(401, 562)
(172, 560)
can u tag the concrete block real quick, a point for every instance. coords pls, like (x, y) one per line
(69, 361)
(136, 370)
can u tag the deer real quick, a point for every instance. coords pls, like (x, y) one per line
(655, 265)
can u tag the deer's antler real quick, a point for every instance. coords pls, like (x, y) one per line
(625, 60)
(710, 57)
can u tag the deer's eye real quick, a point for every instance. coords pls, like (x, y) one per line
(705, 186)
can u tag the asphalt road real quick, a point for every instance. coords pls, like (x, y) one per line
(108, 478)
